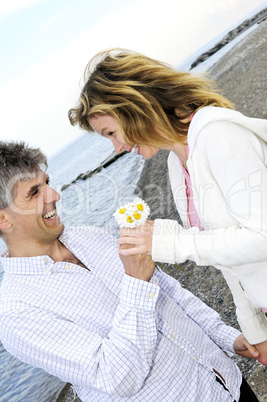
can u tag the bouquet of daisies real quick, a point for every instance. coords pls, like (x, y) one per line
(132, 214)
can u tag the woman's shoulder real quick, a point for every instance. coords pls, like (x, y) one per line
(218, 116)
(211, 114)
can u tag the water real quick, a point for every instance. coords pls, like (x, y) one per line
(89, 202)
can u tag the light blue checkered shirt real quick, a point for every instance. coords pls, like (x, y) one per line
(112, 336)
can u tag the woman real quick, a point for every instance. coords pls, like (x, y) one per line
(217, 168)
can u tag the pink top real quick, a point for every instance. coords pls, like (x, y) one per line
(191, 210)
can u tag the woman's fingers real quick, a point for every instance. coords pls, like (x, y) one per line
(129, 240)
(139, 238)
(133, 250)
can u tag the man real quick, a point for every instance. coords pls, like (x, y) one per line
(115, 329)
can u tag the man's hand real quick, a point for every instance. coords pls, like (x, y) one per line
(139, 266)
(243, 348)
(139, 238)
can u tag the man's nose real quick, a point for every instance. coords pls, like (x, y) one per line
(51, 195)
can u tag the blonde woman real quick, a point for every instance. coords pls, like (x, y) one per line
(217, 168)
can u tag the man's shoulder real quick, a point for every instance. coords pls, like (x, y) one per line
(87, 229)
(86, 234)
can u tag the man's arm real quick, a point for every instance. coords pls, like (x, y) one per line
(111, 357)
(115, 362)
(207, 318)
(227, 338)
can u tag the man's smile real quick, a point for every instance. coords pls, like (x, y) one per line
(51, 214)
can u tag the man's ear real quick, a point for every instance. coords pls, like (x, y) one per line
(5, 224)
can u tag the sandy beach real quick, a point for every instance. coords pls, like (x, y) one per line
(242, 76)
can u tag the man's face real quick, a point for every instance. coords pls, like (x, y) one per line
(33, 211)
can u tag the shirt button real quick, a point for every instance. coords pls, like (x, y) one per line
(47, 271)
(151, 295)
(67, 266)
(196, 357)
(173, 336)
(45, 260)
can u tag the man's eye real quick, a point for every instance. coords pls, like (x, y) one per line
(35, 192)
(110, 132)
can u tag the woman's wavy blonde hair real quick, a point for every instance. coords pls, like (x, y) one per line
(144, 95)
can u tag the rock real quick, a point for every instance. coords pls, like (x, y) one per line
(258, 18)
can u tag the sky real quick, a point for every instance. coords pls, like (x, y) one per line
(46, 44)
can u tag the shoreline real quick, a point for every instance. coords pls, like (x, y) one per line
(238, 67)
(230, 36)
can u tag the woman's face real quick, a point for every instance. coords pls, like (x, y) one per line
(108, 127)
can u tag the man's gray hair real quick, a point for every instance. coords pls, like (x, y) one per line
(17, 162)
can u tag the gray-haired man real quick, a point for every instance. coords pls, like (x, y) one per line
(115, 329)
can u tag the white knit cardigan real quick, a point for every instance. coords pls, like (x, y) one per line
(227, 166)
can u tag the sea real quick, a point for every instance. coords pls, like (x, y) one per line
(83, 202)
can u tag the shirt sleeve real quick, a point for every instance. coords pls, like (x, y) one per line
(115, 363)
(207, 318)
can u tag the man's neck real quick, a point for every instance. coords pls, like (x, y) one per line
(53, 249)
(56, 250)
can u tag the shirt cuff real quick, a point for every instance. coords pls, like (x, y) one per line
(229, 340)
(138, 294)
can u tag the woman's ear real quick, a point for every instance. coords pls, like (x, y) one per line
(5, 224)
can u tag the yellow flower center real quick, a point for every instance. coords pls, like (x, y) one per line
(122, 210)
(140, 207)
(129, 219)
(137, 215)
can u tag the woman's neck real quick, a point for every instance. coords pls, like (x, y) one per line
(181, 151)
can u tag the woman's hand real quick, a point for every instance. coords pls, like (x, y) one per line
(262, 348)
(139, 238)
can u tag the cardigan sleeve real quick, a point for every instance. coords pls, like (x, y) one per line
(252, 321)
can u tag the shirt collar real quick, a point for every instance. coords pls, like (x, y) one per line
(27, 265)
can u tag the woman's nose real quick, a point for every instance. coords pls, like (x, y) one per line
(119, 148)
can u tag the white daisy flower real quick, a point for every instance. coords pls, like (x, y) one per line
(132, 214)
